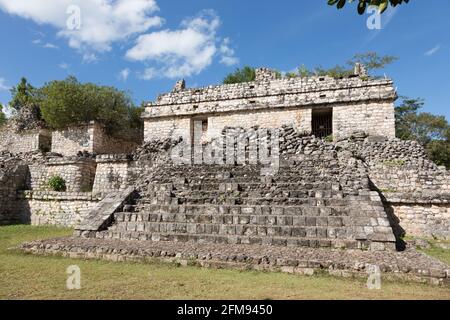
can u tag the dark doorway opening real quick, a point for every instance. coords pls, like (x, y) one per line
(322, 122)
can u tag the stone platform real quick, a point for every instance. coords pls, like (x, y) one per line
(409, 265)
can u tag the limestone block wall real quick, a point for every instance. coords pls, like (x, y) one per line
(393, 177)
(112, 173)
(91, 138)
(56, 208)
(169, 127)
(421, 216)
(357, 105)
(78, 173)
(299, 118)
(24, 142)
(70, 141)
(11, 180)
(119, 172)
(374, 118)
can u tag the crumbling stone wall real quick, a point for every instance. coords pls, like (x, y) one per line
(113, 173)
(56, 208)
(421, 215)
(269, 102)
(91, 138)
(27, 141)
(416, 192)
(13, 174)
(375, 118)
(78, 173)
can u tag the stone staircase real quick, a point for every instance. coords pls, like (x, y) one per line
(310, 202)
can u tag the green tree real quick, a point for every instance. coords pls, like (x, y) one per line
(372, 60)
(2, 116)
(405, 113)
(68, 102)
(431, 131)
(439, 152)
(364, 4)
(246, 74)
(23, 94)
(335, 72)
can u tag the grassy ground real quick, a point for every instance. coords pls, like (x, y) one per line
(33, 277)
(438, 252)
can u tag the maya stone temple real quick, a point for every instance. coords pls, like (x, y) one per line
(343, 195)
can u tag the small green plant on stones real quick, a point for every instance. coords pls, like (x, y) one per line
(394, 163)
(57, 183)
(329, 138)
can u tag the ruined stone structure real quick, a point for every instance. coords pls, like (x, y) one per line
(342, 181)
(92, 138)
(322, 106)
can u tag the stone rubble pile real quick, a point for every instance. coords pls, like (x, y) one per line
(150, 149)
(376, 150)
(27, 118)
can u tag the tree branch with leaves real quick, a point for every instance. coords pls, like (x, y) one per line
(382, 5)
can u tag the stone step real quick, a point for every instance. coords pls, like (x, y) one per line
(372, 220)
(247, 221)
(260, 229)
(253, 201)
(266, 194)
(304, 210)
(245, 186)
(227, 239)
(285, 178)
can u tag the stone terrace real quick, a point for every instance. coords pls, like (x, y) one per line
(408, 265)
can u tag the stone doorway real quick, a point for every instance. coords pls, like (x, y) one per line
(322, 122)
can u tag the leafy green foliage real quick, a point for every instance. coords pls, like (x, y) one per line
(56, 183)
(334, 72)
(371, 60)
(246, 74)
(432, 131)
(23, 94)
(68, 102)
(382, 5)
(439, 152)
(2, 116)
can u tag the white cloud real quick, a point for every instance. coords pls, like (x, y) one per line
(49, 45)
(64, 65)
(148, 74)
(89, 57)
(103, 22)
(228, 54)
(124, 74)
(37, 41)
(3, 86)
(183, 52)
(433, 50)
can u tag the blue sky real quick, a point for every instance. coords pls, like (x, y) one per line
(144, 46)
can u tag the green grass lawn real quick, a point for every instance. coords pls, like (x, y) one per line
(25, 276)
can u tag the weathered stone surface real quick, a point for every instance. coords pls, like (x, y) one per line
(101, 217)
(271, 103)
(406, 265)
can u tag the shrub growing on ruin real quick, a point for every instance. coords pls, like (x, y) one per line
(69, 103)
(246, 74)
(56, 183)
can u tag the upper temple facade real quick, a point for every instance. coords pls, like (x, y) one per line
(323, 106)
